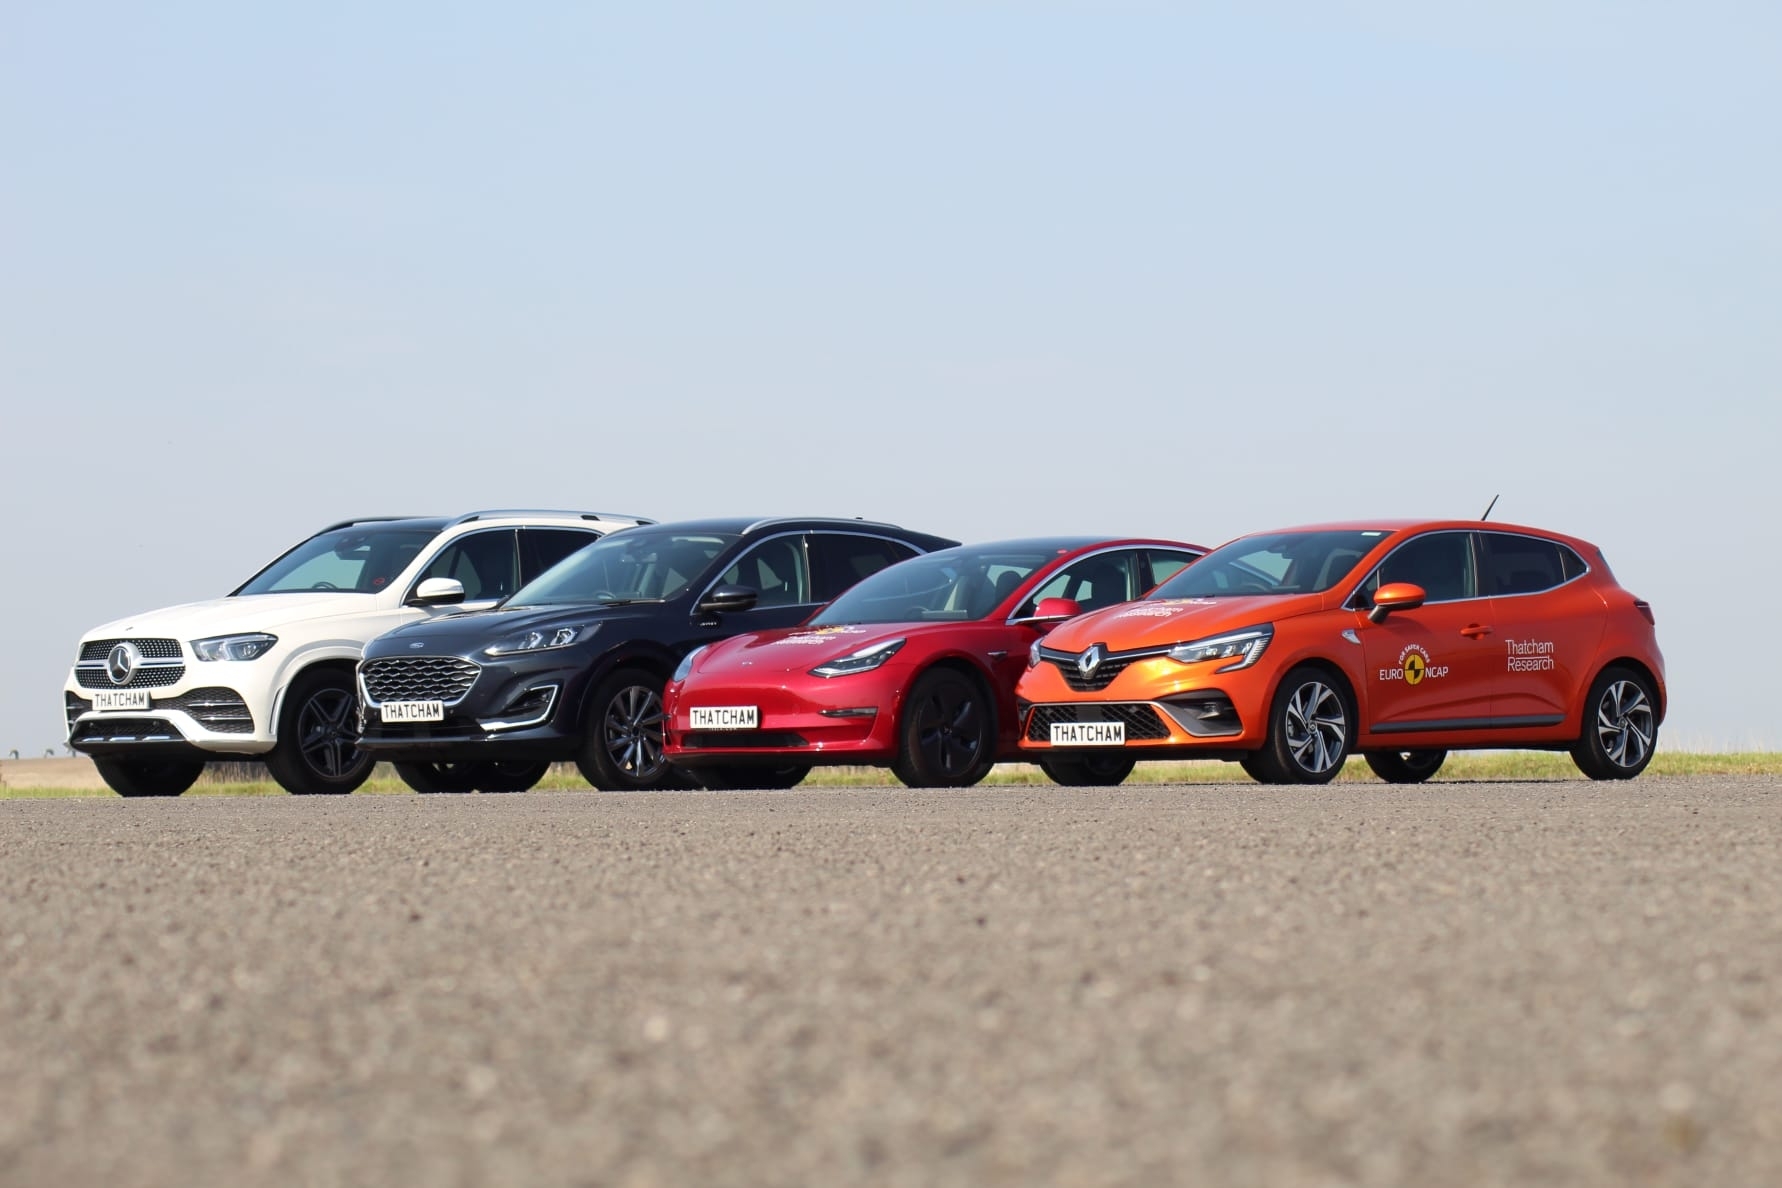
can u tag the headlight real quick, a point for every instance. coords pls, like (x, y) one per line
(865, 660)
(539, 641)
(1244, 648)
(1033, 654)
(684, 669)
(234, 647)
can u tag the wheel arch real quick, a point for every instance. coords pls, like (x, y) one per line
(657, 660)
(964, 666)
(344, 665)
(1641, 668)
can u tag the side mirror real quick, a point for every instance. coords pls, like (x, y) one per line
(1395, 596)
(727, 600)
(1052, 611)
(438, 592)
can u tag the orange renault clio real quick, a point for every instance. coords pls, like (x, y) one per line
(1289, 651)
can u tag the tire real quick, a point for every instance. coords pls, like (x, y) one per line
(621, 748)
(487, 775)
(738, 778)
(1620, 726)
(1310, 729)
(1405, 767)
(1256, 769)
(149, 777)
(1092, 771)
(947, 737)
(318, 737)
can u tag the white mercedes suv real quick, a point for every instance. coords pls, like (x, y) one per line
(267, 673)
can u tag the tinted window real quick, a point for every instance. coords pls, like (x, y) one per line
(544, 547)
(629, 566)
(1166, 565)
(360, 559)
(487, 563)
(1092, 583)
(1572, 563)
(1440, 562)
(841, 559)
(777, 569)
(1278, 563)
(1522, 564)
(951, 584)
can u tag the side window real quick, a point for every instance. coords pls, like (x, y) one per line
(1092, 583)
(841, 559)
(776, 569)
(1522, 564)
(541, 548)
(1165, 564)
(488, 564)
(1440, 562)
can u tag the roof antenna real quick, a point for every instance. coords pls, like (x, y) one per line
(1488, 508)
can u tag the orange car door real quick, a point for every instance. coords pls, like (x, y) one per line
(1432, 667)
(1547, 626)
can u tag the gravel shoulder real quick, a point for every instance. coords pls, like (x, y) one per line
(1467, 984)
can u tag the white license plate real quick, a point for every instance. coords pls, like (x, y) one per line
(1088, 734)
(725, 717)
(108, 700)
(413, 711)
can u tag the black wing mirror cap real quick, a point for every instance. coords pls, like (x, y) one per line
(721, 600)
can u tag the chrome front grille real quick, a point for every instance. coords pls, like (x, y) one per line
(1142, 720)
(1111, 666)
(151, 649)
(418, 678)
(149, 676)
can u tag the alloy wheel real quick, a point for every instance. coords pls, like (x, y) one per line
(328, 733)
(1624, 724)
(1317, 728)
(949, 730)
(633, 731)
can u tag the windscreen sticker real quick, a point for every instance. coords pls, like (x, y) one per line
(1414, 667)
(1530, 655)
(819, 635)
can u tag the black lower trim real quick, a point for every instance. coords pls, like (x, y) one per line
(1525, 723)
(741, 740)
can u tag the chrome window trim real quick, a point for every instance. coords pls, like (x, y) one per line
(1544, 540)
(415, 583)
(750, 546)
(1018, 618)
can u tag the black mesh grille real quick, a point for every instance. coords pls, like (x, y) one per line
(1111, 666)
(1142, 721)
(97, 730)
(740, 740)
(151, 649)
(221, 710)
(76, 707)
(143, 678)
(418, 678)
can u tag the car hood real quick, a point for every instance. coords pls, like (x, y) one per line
(229, 616)
(472, 631)
(800, 649)
(1161, 622)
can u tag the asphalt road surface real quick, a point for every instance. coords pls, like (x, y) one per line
(1467, 984)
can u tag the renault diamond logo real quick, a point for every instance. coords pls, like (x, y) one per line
(121, 664)
(1091, 659)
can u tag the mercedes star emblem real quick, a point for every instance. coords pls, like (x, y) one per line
(121, 664)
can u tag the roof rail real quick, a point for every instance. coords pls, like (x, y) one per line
(857, 521)
(490, 513)
(368, 520)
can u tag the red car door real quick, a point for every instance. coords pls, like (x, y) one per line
(1547, 626)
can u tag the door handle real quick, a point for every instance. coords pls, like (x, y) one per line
(1475, 631)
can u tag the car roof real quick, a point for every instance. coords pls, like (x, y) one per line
(1397, 527)
(436, 523)
(1075, 544)
(756, 525)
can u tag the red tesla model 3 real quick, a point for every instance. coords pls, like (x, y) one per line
(913, 668)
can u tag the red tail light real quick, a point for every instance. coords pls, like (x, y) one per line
(1645, 608)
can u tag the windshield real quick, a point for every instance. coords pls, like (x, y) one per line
(1279, 563)
(362, 559)
(952, 584)
(628, 566)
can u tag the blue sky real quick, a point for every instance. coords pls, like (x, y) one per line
(984, 269)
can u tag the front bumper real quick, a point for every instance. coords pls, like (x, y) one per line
(195, 713)
(1165, 708)
(522, 707)
(850, 719)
